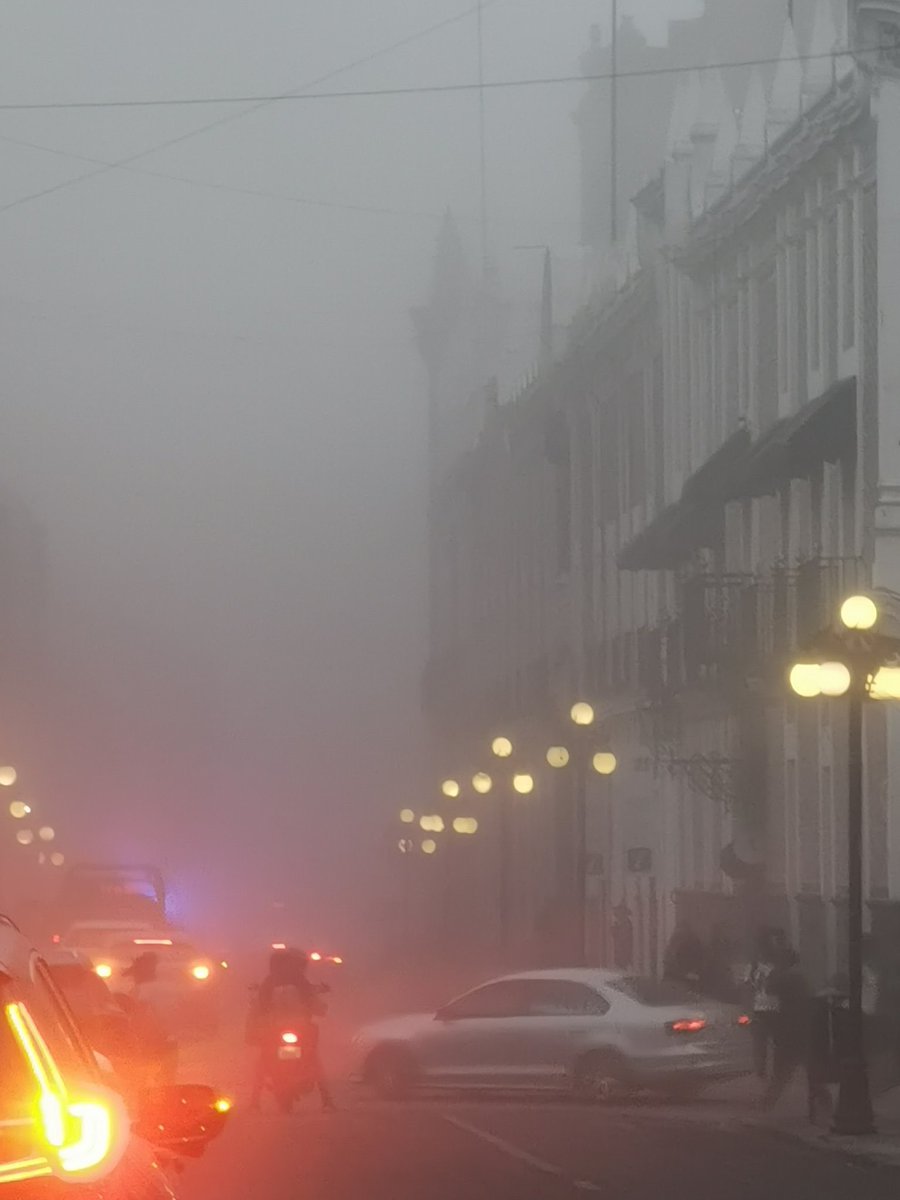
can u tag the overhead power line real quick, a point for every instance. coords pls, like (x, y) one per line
(414, 90)
(257, 103)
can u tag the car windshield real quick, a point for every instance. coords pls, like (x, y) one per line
(656, 993)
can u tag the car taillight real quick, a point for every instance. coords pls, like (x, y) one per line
(289, 1039)
(743, 1019)
(687, 1025)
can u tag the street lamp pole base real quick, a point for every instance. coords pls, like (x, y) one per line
(853, 1114)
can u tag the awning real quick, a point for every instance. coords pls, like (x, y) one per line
(824, 430)
(711, 483)
(670, 538)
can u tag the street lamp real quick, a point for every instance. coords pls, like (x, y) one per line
(57, 859)
(858, 675)
(582, 713)
(450, 788)
(465, 825)
(407, 816)
(8, 776)
(501, 747)
(429, 846)
(523, 783)
(19, 809)
(558, 757)
(46, 833)
(482, 783)
(605, 763)
(25, 837)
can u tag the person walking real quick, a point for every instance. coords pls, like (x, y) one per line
(790, 1023)
(764, 1002)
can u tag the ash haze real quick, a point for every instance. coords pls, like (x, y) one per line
(213, 406)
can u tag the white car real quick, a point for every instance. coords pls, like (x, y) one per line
(594, 1032)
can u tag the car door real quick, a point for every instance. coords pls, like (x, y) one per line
(470, 1043)
(560, 1020)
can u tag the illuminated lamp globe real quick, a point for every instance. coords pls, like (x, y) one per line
(859, 612)
(558, 756)
(502, 747)
(429, 846)
(25, 837)
(834, 679)
(523, 784)
(8, 776)
(19, 809)
(46, 833)
(482, 783)
(404, 846)
(605, 763)
(57, 859)
(465, 825)
(407, 816)
(450, 788)
(582, 713)
(425, 823)
(886, 684)
(805, 680)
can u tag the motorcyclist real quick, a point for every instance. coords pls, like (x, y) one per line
(287, 993)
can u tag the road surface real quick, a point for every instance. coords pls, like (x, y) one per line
(444, 1149)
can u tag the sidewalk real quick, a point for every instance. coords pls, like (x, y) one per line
(736, 1104)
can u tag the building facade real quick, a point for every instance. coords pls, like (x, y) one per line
(669, 511)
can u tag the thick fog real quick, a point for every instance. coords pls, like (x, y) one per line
(212, 405)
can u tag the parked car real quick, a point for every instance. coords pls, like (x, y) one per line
(593, 1032)
(64, 1130)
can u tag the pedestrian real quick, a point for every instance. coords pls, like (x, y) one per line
(790, 1023)
(684, 958)
(764, 1002)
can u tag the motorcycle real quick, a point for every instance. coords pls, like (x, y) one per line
(294, 1064)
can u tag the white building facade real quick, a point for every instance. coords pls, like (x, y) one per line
(669, 512)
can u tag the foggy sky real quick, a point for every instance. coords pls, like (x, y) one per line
(212, 403)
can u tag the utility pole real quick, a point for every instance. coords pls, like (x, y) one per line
(614, 127)
(482, 151)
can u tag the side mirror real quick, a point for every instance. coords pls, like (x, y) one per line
(182, 1118)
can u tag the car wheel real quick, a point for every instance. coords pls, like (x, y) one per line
(601, 1077)
(390, 1072)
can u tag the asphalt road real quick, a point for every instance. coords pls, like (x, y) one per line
(444, 1149)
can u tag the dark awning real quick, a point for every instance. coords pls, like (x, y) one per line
(670, 538)
(824, 430)
(711, 483)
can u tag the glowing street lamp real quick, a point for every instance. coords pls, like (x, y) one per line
(502, 747)
(450, 788)
(558, 757)
(19, 809)
(582, 713)
(859, 677)
(482, 783)
(859, 612)
(523, 783)
(25, 837)
(57, 859)
(46, 833)
(407, 816)
(8, 776)
(605, 763)
(465, 825)
(429, 846)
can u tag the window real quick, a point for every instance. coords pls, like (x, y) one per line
(656, 993)
(562, 997)
(503, 999)
(52, 1017)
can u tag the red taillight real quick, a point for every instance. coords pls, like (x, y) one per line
(743, 1019)
(290, 1039)
(688, 1025)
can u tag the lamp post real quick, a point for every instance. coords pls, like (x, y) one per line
(583, 718)
(859, 673)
